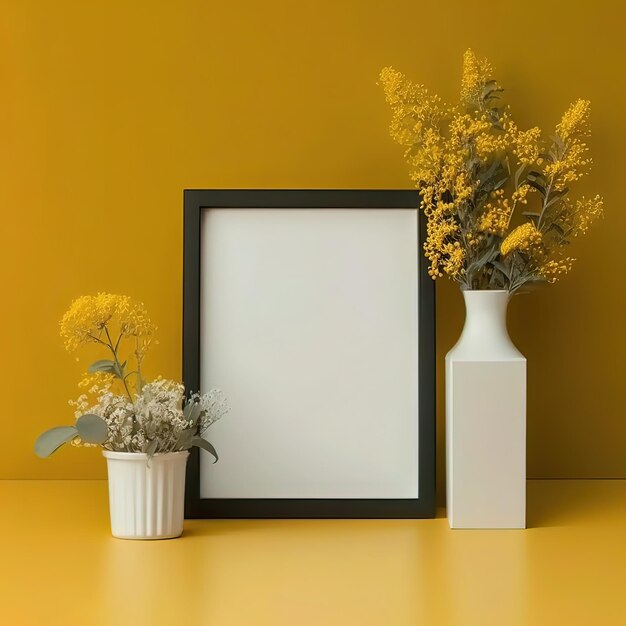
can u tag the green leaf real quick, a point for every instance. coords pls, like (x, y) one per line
(473, 163)
(518, 174)
(528, 284)
(540, 188)
(192, 411)
(104, 365)
(92, 428)
(118, 370)
(490, 88)
(185, 438)
(205, 445)
(531, 214)
(555, 226)
(151, 448)
(53, 439)
(502, 268)
(555, 196)
(534, 175)
(488, 255)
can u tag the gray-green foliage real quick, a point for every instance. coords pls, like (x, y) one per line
(53, 439)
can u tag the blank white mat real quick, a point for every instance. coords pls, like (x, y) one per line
(309, 324)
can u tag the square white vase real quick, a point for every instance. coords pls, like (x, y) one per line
(486, 420)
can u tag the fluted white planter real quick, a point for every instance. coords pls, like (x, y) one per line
(486, 420)
(146, 498)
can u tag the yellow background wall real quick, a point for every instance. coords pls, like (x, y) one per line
(110, 109)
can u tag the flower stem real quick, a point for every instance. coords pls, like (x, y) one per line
(117, 362)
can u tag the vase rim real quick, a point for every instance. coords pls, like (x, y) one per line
(141, 456)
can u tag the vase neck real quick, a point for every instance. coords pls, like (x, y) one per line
(485, 335)
(485, 312)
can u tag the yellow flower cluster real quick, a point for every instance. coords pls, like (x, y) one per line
(476, 136)
(526, 144)
(569, 167)
(414, 110)
(521, 193)
(476, 72)
(586, 211)
(90, 316)
(570, 162)
(453, 259)
(86, 318)
(473, 166)
(96, 381)
(495, 219)
(441, 237)
(553, 269)
(524, 238)
(425, 163)
(575, 121)
(93, 386)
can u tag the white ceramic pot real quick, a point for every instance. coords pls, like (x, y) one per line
(486, 419)
(146, 498)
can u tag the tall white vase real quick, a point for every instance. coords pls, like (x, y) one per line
(486, 419)
(146, 498)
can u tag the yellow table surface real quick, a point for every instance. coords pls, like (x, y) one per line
(59, 565)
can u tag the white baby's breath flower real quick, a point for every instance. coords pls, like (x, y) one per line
(155, 415)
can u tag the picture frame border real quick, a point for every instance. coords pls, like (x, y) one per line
(198, 200)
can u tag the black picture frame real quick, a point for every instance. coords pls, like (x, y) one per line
(197, 200)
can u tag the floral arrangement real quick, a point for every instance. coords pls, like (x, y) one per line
(118, 410)
(477, 171)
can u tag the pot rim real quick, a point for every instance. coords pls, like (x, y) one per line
(142, 456)
(484, 291)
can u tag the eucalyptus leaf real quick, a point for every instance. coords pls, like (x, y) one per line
(535, 175)
(473, 163)
(555, 226)
(185, 438)
(53, 439)
(502, 268)
(557, 195)
(519, 173)
(491, 253)
(92, 428)
(489, 172)
(151, 448)
(192, 411)
(103, 365)
(529, 284)
(540, 188)
(205, 445)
